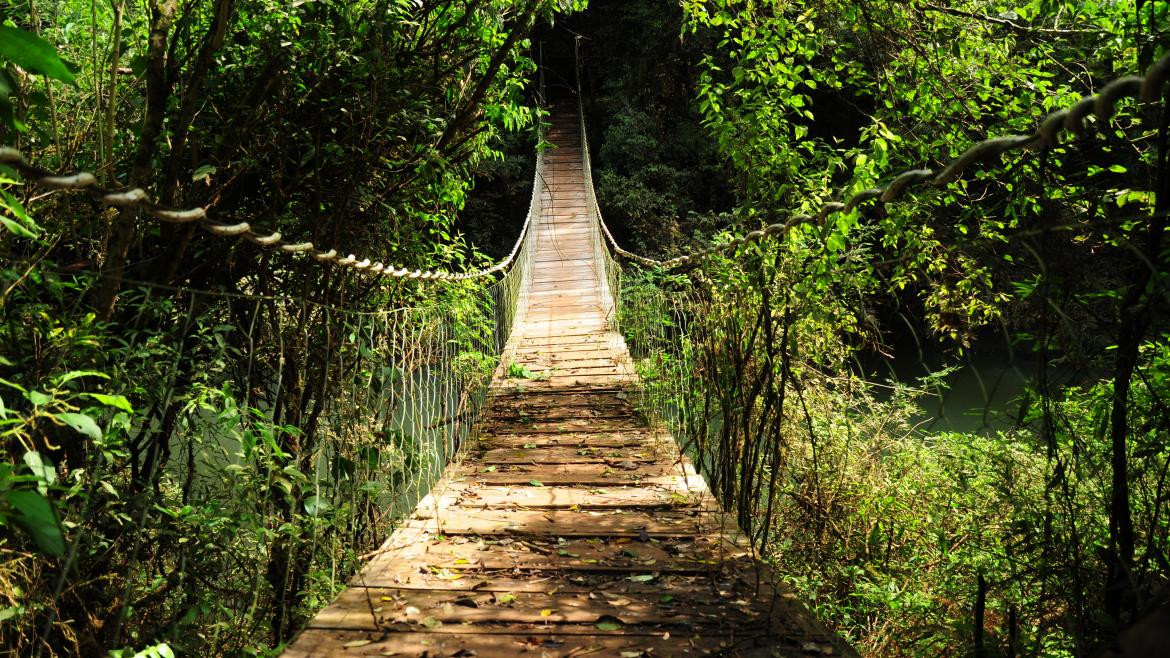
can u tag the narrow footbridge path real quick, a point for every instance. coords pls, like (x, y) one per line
(569, 527)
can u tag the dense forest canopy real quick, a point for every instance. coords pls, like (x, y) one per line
(202, 436)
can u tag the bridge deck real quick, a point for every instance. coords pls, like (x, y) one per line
(570, 527)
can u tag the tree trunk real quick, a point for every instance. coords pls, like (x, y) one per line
(158, 91)
(1120, 603)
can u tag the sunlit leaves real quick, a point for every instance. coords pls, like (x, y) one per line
(33, 54)
(81, 423)
(33, 512)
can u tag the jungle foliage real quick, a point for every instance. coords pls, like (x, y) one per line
(1045, 539)
(202, 436)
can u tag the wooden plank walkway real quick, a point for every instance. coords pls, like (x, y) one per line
(570, 528)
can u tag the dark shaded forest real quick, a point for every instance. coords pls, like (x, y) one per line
(203, 435)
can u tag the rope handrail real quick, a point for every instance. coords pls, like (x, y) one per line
(1103, 105)
(138, 198)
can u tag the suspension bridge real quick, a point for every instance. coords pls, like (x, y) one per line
(568, 526)
(564, 521)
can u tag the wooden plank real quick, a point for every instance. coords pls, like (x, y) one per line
(541, 371)
(538, 643)
(540, 302)
(515, 394)
(567, 340)
(554, 382)
(548, 276)
(550, 330)
(373, 608)
(556, 405)
(546, 231)
(596, 322)
(567, 312)
(583, 498)
(574, 428)
(487, 523)
(546, 317)
(535, 349)
(617, 412)
(527, 426)
(583, 443)
(418, 572)
(596, 355)
(444, 555)
(610, 391)
(549, 232)
(568, 455)
(533, 338)
(560, 271)
(561, 399)
(589, 474)
(566, 307)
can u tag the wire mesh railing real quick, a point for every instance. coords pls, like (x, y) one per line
(266, 441)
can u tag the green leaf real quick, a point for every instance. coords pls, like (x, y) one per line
(316, 506)
(13, 205)
(76, 374)
(81, 423)
(37, 398)
(642, 578)
(158, 651)
(7, 111)
(117, 401)
(203, 172)
(32, 53)
(36, 516)
(609, 623)
(536, 483)
(16, 229)
(43, 470)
